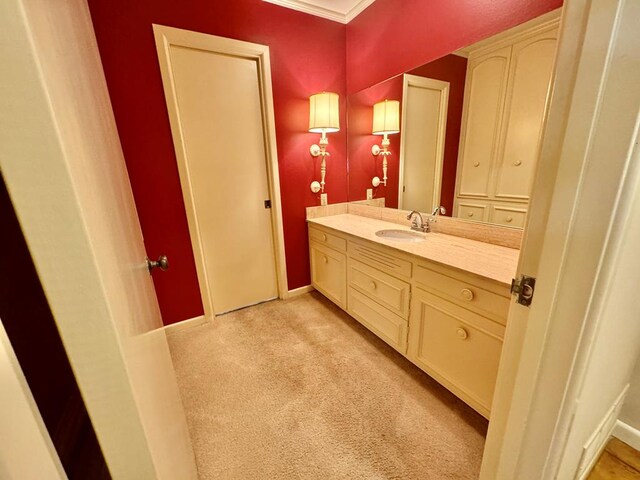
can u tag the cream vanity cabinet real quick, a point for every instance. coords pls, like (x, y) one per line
(447, 322)
(329, 265)
(506, 89)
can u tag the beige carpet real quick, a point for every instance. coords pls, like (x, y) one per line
(299, 390)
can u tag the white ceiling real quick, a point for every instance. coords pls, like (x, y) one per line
(342, 11)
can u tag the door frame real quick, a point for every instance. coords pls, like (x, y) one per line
(443, 87)
(165, 37)
(26, 449)
(577, 195)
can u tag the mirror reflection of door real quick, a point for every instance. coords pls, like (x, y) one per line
(425, 103)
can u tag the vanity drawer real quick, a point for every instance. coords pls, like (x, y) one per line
(388, 291)
(325, 238)
(465, 293)
(329, 273)
(457, 347)
(473, 211)
(380, 259)
(512, 216)
(388, 326)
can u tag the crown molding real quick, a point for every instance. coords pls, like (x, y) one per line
(357, 9)
(327, 13)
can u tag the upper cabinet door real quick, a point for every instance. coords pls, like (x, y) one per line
(484, 103)
(529, 79)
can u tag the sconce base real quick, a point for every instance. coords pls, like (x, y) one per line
(376, 181)
(315, 186)
(376, 150)
(314, 150)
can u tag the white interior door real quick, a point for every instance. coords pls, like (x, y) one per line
(424, 111)
(573, 233)
(61, 159)
(214, 95)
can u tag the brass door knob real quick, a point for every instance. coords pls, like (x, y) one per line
(162, 263)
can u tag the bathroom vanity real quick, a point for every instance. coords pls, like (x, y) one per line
(440, 300)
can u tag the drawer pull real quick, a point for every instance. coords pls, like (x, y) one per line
(517, 163)
(324, 237)
(508, 219)
(325, 259)
(470, 214)
(462, 333)
(373, 285)
(476, 164)
(466, 294)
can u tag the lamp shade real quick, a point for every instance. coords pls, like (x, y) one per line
(324, 113)
(386, 117)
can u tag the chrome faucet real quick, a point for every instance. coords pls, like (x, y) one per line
(418, 223)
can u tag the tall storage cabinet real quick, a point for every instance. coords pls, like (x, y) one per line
(508, 81)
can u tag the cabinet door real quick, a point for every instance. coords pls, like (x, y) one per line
(509, 215)
(472, 211)
(329, 273)
(529, 80)
(484, 102)
(458, 348)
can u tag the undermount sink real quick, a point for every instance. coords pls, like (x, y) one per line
(401, 235)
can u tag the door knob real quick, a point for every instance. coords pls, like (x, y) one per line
(162, 263)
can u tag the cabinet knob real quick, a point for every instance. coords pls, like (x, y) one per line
(325, 260)
(508, 219)
(476, 164)
(462, 333)
(470, 214)
(466, 294)
(324, 237)
(517, 163)
(373, 285)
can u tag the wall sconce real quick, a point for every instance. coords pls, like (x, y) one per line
(324, 118)
(386, 120)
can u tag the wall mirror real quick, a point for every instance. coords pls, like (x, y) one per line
(470, 126)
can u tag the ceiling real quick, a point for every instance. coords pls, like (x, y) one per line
(342, 11)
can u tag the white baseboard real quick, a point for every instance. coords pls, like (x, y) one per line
(185, 324)
(300, 291)
(627, 433)
(599, 438)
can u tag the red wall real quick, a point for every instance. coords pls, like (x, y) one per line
(394, 36)
(307, 56)
(362, 166)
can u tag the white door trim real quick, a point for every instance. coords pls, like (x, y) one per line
(26, 449)
(443, 87)
(165, 37)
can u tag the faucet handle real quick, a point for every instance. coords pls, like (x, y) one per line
(439, 211)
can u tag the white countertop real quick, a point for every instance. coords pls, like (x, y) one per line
(484, 259)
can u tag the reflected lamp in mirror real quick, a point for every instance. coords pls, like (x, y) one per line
(324, 118)
(386, 121)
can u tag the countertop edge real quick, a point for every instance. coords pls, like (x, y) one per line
(499, 282)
